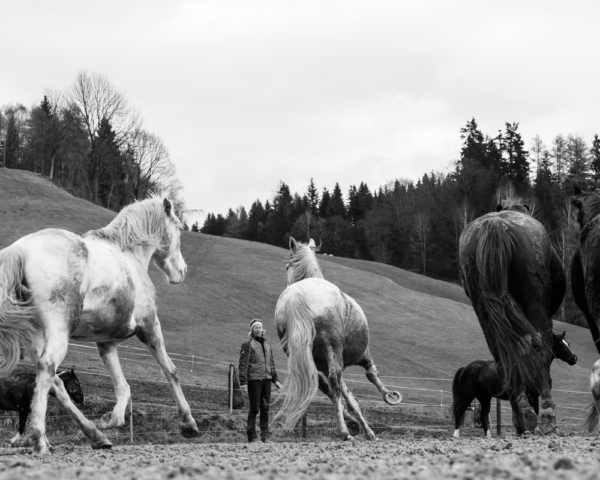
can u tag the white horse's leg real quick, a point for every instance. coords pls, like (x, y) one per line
(110, 357)
(156, 345)
(53, 349)
(355, 408)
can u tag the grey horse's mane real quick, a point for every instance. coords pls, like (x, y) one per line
(139, 224)
(304, 261)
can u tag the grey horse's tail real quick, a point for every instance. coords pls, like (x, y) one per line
(513, 340)
(302, 382)
(16, 326)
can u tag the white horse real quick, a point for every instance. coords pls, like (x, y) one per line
(323, 331)
(56, 285)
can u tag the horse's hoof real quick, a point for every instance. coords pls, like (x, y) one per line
(456, 433)
(547, 422)
(109, 420)
(41, 450)
(392, 398)
(189, 431)
(100, 442)
(353, 427)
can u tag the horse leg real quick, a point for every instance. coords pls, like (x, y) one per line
(335, 388)
(110, 357)
(459, 409)
(351, 422)
(53, 348)
(484, 416)
(153, 338)
(14, 441)
(523, 416)
(393, 398)
(355, 408)
(547, 417)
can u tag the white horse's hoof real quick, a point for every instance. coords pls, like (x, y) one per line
(392, 398)
(456, 433)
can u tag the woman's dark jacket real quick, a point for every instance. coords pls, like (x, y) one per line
(256, 362)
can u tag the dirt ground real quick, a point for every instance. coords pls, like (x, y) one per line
(530, 457)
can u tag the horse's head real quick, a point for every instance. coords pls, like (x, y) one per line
(168, 257)
(72, 386)
(562, 350)
(303, 262)
(586, 205)
(515, 206)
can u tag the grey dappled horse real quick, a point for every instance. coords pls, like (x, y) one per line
(323, 331)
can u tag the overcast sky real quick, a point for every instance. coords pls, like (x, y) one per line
(247, 94)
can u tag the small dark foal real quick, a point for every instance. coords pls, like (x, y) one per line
(16, 393)
(480, 379)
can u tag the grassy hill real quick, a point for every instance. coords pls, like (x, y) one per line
(419, 327)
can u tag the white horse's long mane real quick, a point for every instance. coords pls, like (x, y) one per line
(304, 261)
(139, 224)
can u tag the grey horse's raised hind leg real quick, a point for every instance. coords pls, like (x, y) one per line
(351, 422)
(355, 408)
(393, 398)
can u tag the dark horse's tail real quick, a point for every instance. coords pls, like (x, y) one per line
(514, 342)
(456, 396)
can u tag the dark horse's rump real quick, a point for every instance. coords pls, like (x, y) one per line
(516, 282)
(17, 391)
(585, 272)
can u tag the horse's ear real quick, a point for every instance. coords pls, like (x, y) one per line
(563, 334)
(318, 249)
(293, 245)
(72, 371)
(167, 206)
(577, 191)
(498, 207)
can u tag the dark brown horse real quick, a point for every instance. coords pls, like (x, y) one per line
(481, 380)
(585, 282)
(516, 282)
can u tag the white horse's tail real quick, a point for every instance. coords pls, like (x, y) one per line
(16, 326)
(302, 382)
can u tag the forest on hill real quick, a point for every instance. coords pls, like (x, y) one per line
(89, 140)
(416, 226)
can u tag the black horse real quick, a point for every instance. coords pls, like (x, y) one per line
(585, 283)
(16, 393)
(516, 282)
(481, 380)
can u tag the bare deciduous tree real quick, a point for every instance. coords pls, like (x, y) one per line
(95, 100)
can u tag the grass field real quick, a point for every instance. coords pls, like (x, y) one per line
(420, 327)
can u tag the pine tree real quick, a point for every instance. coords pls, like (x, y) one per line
(324, 205)
(312, 196)
(595, 162)
(336, 205)
(517, 158)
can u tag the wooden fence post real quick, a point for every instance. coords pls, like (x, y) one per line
(130, 420)
(305, 425)
(231, 370)
(498, 418)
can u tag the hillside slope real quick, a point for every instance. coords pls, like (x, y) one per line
(419, 327)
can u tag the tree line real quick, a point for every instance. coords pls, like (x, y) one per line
(89, 140)
(417, 225)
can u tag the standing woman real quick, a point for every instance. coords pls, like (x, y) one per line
(257, 370)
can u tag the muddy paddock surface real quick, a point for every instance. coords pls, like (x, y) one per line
(532, 457)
